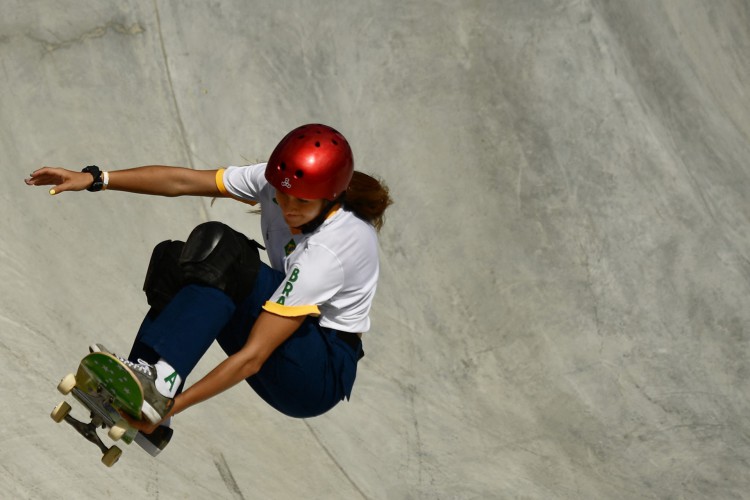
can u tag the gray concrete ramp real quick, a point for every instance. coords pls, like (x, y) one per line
(564, 308)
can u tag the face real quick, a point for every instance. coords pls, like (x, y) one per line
(297, 211)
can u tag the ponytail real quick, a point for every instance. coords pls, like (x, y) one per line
(368, 198)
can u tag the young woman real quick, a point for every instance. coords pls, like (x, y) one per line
(292, 330)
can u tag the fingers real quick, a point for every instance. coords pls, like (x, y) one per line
(44, 172)
(44, 177)
(60, 179)
(142, 425)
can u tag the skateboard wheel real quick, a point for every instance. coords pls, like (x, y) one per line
(111, 457)
(60, 411)
(117, 431)
(67, 383)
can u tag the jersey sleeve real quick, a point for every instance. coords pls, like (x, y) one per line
(242, 183)
(313, 279)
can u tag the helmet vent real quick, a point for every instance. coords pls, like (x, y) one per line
(283, 166)
(335, 143)
(317, 144)
(298, 174)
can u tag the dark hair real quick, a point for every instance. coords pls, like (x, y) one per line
(368, 198)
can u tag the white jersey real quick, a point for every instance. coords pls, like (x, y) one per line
(331, 272)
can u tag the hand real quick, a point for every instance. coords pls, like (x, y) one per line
(61, 179)
(146, 427)
(143, 425)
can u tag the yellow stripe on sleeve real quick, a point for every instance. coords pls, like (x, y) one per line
(291, 311)
(223, 189)
(220, 182)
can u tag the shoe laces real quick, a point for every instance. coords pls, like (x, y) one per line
(140, 366)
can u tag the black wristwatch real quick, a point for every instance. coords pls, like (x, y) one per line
(98, 183)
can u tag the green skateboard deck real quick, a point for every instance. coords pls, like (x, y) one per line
(105, 372)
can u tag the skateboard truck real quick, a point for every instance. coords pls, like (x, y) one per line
(101, 416)
(110, 455)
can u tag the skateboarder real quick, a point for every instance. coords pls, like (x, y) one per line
(292, 330)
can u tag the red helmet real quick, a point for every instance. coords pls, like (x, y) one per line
(312, 162)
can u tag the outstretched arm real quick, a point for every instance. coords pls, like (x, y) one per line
(155, 180)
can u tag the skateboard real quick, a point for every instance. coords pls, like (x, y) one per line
(105, 386)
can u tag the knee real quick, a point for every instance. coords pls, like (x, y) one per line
(216, 255)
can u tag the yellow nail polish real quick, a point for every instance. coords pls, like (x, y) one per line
(52, 192)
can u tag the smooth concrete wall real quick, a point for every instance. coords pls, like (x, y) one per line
(563, 307)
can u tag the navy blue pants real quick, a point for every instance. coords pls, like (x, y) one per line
(305, 376)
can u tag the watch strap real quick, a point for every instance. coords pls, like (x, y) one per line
(96, 173)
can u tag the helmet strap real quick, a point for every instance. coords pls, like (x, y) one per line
(328, 209)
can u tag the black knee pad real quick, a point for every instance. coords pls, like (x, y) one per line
(217, 255)
(164, 277)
